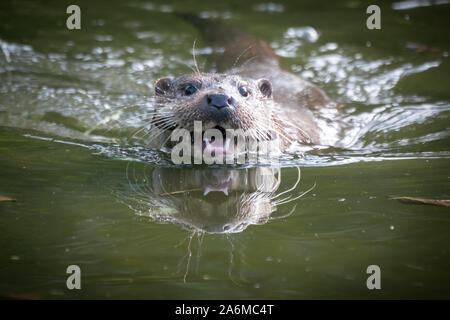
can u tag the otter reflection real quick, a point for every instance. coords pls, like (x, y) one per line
(214, 200)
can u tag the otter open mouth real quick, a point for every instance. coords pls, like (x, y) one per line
(215, 146)
(224, 186)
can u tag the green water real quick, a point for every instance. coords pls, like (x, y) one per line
(89, 193)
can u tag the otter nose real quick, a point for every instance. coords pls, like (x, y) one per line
(219, 100)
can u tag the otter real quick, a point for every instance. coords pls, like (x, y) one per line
(211, 200)
(258, 96)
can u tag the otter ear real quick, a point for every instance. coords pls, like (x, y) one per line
(162, 85)
(265, 87)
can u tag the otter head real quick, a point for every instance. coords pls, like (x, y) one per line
(217, 100)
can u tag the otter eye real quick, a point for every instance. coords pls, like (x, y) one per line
(243, 91)
(189, 90)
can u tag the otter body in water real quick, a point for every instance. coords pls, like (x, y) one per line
(258, 97)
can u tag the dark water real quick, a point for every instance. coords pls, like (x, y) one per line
(90, 193)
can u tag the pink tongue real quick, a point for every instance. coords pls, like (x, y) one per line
(216, 144)
(219, 147)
